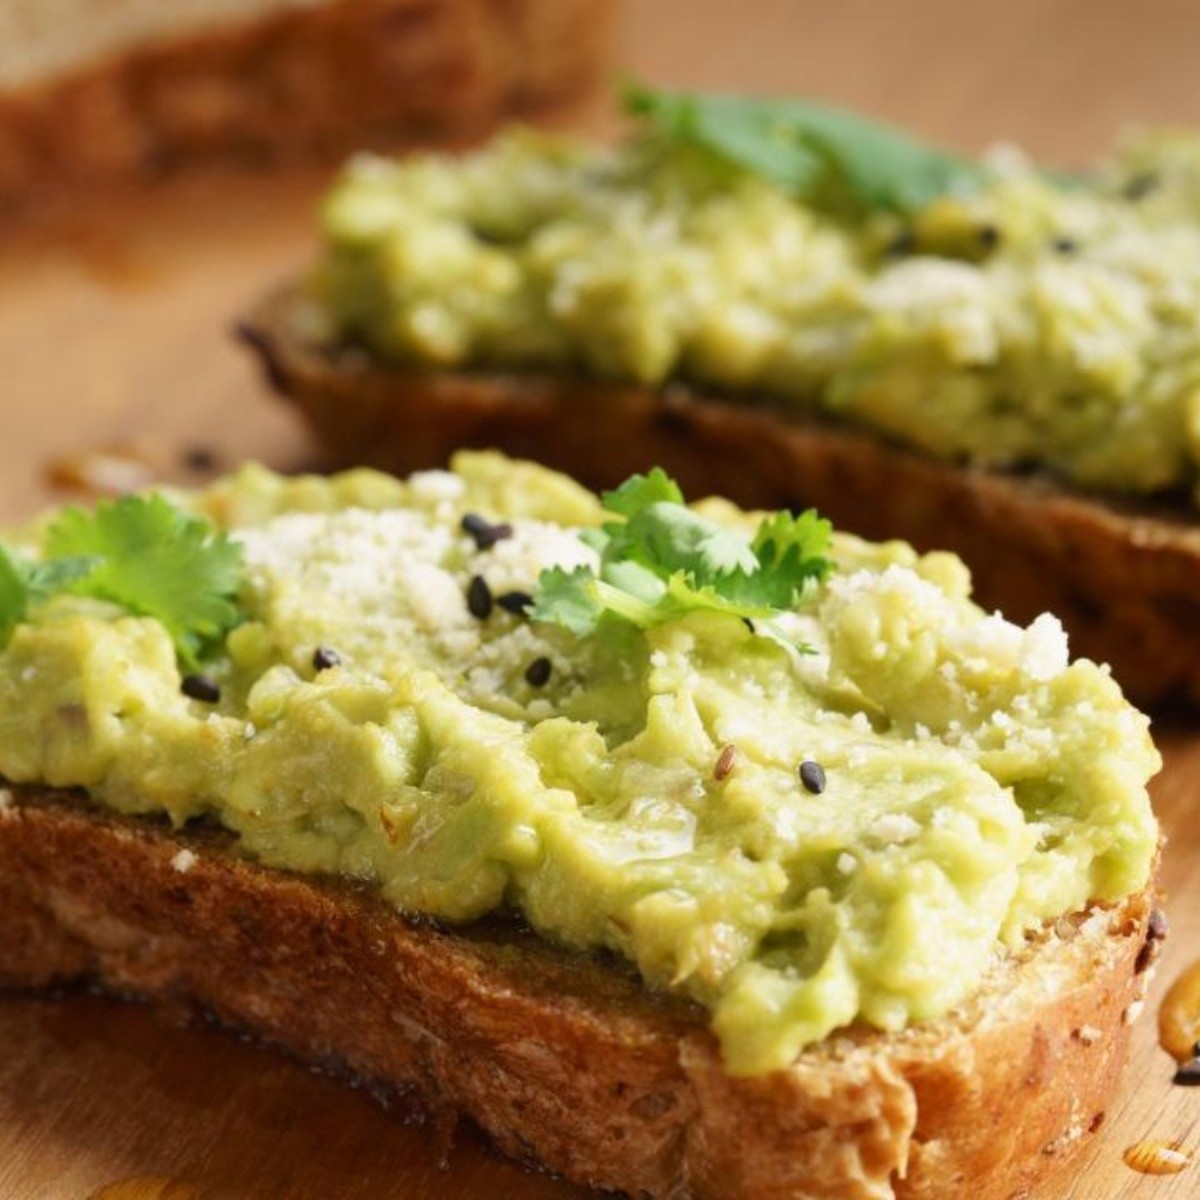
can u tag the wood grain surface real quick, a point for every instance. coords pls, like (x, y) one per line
(114, 333)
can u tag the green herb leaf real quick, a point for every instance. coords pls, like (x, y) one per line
(663, 561)
(46, 579)
(155, 560)
(640, 491)
(14, 594)
(830, 157)
(24, 584)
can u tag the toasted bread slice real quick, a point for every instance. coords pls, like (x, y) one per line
(567, 1061)
(1123, 576)
(138, 86)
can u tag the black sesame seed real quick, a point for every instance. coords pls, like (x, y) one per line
(989, 236)
(324, 658)
(905, 242)
(479, 598)
(1065, 245)
(537, 674)
(200, 687)
(484, 534)
(1188, 1075)
(812, 775)
(517, 603)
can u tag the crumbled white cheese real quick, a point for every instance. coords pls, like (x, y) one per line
(895, 828)
(847, 864)
(184, 861)
(436, 486)
(1044, 652)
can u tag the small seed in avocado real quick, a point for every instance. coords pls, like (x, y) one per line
(479, 598)
(323, 658)
(517, 603)
(812, 775)
(537, 674)
(484, 534)
(200, 687)
(725, 761)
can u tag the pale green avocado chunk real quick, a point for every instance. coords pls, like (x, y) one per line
(1028, 322)
(977, 784)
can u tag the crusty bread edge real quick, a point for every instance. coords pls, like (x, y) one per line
(310, 81)
(565, 1062)
(1124, 578)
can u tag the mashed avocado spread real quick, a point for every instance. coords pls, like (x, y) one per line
(913, 785)
(1014, 319)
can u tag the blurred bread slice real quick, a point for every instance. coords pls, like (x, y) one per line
(95, 89)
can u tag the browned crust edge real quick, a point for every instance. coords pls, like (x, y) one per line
(317, 81)
(563, 1061)
(1124, 579)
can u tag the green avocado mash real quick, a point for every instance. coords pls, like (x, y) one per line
(380, 713)
(1024, 320)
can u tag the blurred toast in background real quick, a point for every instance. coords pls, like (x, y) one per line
(92, 90)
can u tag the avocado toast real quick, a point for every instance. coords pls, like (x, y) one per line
(796, 307)
(684, 850)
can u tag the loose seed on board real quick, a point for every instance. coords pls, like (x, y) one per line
(479, 598)
(1157, 1158)
(484, 534)
(517, 603)
(1189, 1074)
(725, 761)
(324, 657)
(537, 674)
(200, 687)
(1179, 1016)
(812, 775)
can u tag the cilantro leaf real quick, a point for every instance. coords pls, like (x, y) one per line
(45, 579)
(663, 561)
(568, 598)
(24, 584)
(155, 560)
(640, 491)
(14, 594)
(830, 157)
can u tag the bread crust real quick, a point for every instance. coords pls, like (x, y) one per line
(1123, 576)
(567, 1061)
(310, 81)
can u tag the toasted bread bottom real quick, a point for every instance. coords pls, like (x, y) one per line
(567, 1061)
(1124, 577)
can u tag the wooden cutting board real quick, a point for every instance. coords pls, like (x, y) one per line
(114, 332)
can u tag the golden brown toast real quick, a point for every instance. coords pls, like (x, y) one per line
(566, 1061)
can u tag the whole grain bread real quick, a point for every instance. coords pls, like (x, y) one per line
(315, 79)
(566, 1061)
(1123, 576)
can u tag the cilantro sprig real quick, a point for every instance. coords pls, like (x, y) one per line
(141, 553)
(660, 561)
(827, 156)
